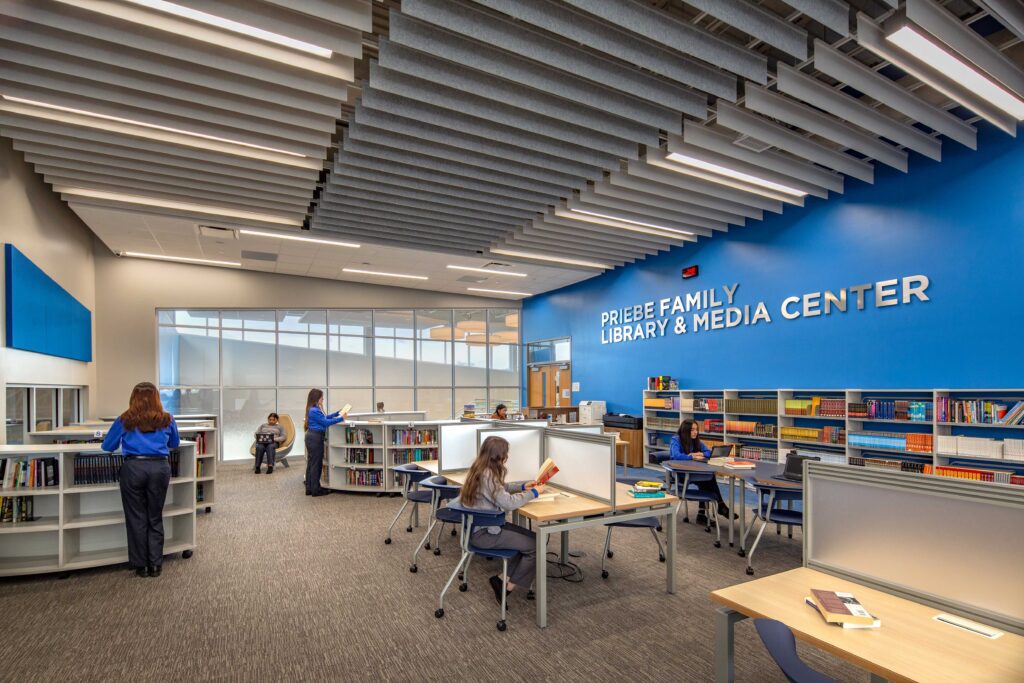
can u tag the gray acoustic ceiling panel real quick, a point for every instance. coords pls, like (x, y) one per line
(758, 23)
(834, 14)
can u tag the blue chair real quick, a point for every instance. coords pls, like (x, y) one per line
(658, 457)
(411, 476)
(470, 521)
(440, 491)
(781, 645)
(683, 490)
(769, 511)
(645, 523)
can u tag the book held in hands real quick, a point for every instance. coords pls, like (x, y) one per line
(547, 470)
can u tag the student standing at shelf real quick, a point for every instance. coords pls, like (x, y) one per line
(687, 445)
(269, 436)
(316, 424)
(145, 433)
(500, 412)
(485, 489)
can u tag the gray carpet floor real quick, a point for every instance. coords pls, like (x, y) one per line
(284, 587)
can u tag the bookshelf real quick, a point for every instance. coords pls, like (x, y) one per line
(362, 456)
(77, 522)
(918, 430)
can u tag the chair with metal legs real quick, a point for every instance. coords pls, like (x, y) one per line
(411, 475)
(686, 494)
(781, 645)
(441, 491)
(645, 523)
(769, 511)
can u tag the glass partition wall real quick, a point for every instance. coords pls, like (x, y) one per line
(243, 364)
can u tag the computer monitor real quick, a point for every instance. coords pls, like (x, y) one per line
(723, 451)
(795, 466)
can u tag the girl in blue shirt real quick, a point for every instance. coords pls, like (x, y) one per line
(316, 423)
(144, 433)
(686, 445)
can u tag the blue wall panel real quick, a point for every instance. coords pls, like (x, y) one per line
(41, 315)
(959, 222)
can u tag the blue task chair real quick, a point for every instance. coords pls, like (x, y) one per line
(769, 496)
(683, 490)
(411, 476)
(781, 645)
(471, 520)
(645, 523)
(441, 491)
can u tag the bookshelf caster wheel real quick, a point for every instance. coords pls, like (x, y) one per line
(64, 575)
(750, 571)
(462, 576)
(454, 532)
(611, 554)
(742, 553)
(707, 530)
(659, 528)
(426, 547)
(209, 509)
(185, 554)
(437, 551)
(463, 587)
(387, 541)
(604, 573)
(502, 625)
(686, 520)
(718, 544)
(413, 568)
(661, 558)
(439, 613)
(408, 529)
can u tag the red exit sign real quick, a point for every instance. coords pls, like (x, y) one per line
(690, 271)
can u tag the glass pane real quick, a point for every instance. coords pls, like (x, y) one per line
(68, 406)
(292, 402)
(302, 359)
(350, 361)
(249, 358)
(249, 320)
(350, 322)
(434, 323)
(433, 364)
(244, 411)
(361, 399)
(393, 358)
(17, 404)
(437, 403)
(191, 401)
(193, 318)
(476, 396)
(471, 324)
(393, 323)
(470, 364)
(504, 325)
(189, 356)
(396, 399)
(504, 365)
(550, 351)
(510, 397)
(302, 321)
(45, 410)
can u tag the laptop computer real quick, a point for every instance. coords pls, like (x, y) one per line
(721, 451)
(795, 467)
(263, 437)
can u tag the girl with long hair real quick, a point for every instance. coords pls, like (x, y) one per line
(316, 423)
(686, 445)
(485, 489)
(145, 433)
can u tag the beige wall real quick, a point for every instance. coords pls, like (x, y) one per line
(42, 227)
(130, 290)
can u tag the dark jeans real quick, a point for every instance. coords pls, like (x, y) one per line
(265, 450)
(143, 492)
(315, 461)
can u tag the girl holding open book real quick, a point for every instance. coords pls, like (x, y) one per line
(485, 489)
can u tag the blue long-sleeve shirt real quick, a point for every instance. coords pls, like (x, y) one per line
(135, 442)
(677, 450)
(318, 422)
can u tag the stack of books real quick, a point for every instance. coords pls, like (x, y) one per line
(647, 489)
(662, 383)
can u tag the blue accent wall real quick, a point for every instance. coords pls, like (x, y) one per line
(41, 316)
(960, 222)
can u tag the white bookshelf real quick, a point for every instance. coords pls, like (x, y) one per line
(392, 445)
(78, 526)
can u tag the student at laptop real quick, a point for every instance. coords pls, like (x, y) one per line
(500, 412)
(686, 445)
(269, 436)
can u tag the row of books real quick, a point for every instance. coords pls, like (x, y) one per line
(365, 477)
(701, 405)
(662, 402)
(200, 492)
(28, 473)
(977, 447)
(361, 456)
(201, 467)
(14, 509)
(752, 406)
(662, 383)
(105, 468)
(753, 428)
(977, 474)
(816, 406)
(886, 409)
(201, 442)
(712, 426)
(890, 464)
(669, 423)
(908, 441)
(355, 435)
(979, 411)
(408, 455)
(823, 456)
(413, 437)
(758, 453)
(836, 435)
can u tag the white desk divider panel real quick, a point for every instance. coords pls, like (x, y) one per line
(525, 450)
(586, 462)
(581, 429)
(951, 543)
(531, 423)
(394, 416)
(457, 445)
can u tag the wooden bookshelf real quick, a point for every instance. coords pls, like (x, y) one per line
(393, 444)
(78, 526)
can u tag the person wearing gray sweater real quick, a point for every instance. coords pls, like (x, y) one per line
(269, 436)
(485, 489)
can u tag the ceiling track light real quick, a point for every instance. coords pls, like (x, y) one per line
(180, 259)
(552, 259)
(297, 238)
(383, 274)
(733, 174)
(497, 291)
(488, 271)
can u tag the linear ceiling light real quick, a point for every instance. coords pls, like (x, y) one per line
(620, 219)
(488, 271)
(297, 238)
(717, 169)
(498, 291)
(911, 40)
(374, 272)
(236, 27)
(143, 124)
(183, 259)
(171, 204)
(553, 259)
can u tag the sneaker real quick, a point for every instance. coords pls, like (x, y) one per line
(723, 511)
(142, 571)
(701, 518)
(496, 587)
(256, 471)
(269, 470)
(154, 572)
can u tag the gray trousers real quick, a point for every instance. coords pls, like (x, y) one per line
(143, 492)
(512, 537)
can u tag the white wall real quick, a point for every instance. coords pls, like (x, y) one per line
(42, 227)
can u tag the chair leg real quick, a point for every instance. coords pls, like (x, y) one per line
(764, 525)
(661, 551)
(686, 511)
(440, 603)
(464, 576)
(504, 592)
(437, 540)
(412, 513)
(718, 526)
(607, 553)
(425, 541)
(387, 539)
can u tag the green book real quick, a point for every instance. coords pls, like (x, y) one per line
(646, 494)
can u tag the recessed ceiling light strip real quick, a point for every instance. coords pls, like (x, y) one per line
(551, 258)
(488, 271)
(718, 169)
(497, 291)
(175, 205)
(181, 259)
(584, 214)
(297, 238)
(382, 274)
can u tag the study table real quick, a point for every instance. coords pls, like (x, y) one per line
(571, 511)
(909, 646)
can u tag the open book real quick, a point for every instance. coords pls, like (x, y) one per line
(344, 411)
(547, 470)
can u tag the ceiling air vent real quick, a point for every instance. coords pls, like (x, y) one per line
(750, 143)
(217, 233)
(258, 256)
(472, 279)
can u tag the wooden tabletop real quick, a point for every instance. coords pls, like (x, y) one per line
(909, 646)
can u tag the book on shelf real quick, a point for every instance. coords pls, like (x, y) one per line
(998, 476)
(365, 477)
(15, 509)
(31, 473)
(413, 437)
(834, 435)
(710, 426)
(816, 406)
(759, 453)
(891, 409)
(360, 456)
(752, 406)
(890, 464)
(662, 383)
(838, 607)
(358, 436)
(875, 623)
(200, 492)
(980, 411)
(915, 442)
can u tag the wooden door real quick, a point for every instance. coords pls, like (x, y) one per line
(545, 384)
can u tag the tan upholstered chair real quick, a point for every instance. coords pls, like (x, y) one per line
(281, 454)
